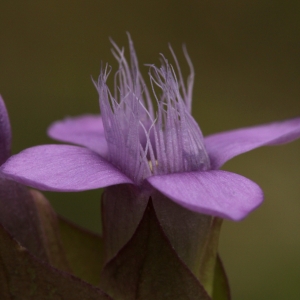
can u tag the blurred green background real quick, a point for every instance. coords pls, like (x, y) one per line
(247, 62)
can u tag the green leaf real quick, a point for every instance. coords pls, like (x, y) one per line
(147, 267)
(221, 290)
(84, 251)
(23, 276)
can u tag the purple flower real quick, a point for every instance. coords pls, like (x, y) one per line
(162, 149)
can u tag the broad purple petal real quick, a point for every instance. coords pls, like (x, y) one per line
(5, 133)
(223, 146)
(62, 168)
(86, 130)
(218, 193)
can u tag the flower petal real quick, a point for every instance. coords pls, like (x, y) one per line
(218, 193)
(223, 146)
(5, 133)
(62, 168)
(86, 130)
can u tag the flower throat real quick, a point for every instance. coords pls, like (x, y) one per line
(143, 142)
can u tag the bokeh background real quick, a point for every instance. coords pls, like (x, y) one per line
(247, 62)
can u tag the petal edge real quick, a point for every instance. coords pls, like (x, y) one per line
(62, 168)
(85, 130)
(223, 146)
(5, 133)
(218, 193)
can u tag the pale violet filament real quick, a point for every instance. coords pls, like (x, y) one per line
(142, 142)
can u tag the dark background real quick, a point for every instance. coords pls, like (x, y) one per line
(247, 62)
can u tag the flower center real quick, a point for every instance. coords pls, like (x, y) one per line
(150, 165)
(142, 142)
